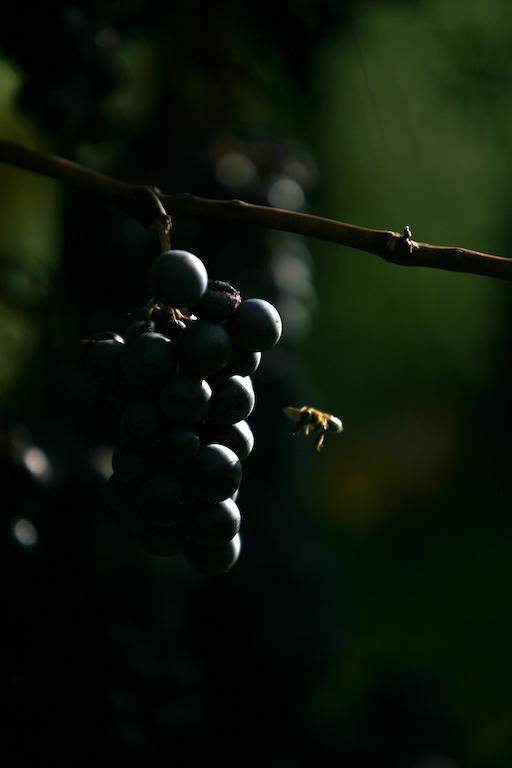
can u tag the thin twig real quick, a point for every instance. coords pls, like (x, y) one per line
(136, 200)
(152, 209)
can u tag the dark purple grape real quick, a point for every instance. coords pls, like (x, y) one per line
(243, 363)
(213, 474)
(103, 362)
(149, 359)
(131, 465)
(177, 279)
(255, 326)
(185, 399)
(232, 400)
(180, 444)
(238, 437)
(219, 302)
(162, 540)
(205, 348)
(163, 500)
(213, 524)
(212, 560)
(142, 423)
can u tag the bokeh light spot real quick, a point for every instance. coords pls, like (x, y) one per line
(235, 170)
(286, 193)
(37, 463)
(25, 533)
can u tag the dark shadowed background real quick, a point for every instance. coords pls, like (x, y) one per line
(367, 621)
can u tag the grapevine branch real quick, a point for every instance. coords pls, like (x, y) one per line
(153, 209)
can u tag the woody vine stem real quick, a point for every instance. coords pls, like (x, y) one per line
(153, 209)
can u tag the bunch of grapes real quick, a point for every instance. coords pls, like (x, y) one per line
(185, 373)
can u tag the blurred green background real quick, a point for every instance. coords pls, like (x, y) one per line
(394, 113)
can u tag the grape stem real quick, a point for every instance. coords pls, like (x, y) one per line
(153, 209)
(163, 223)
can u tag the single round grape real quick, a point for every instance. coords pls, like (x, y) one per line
(238, 437)
(232, 400)
(135, 329)
(149, 359)
(162, 540)
(243, 363)
(213, 560)
(185, 399)
(213, 524)
(103, 362)
(255, 326)
(218, 303)
(213, 474)
(163, 500)
(177, 279)
(205, 348)
(142, 423)
(180, 444)
(131, 465)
